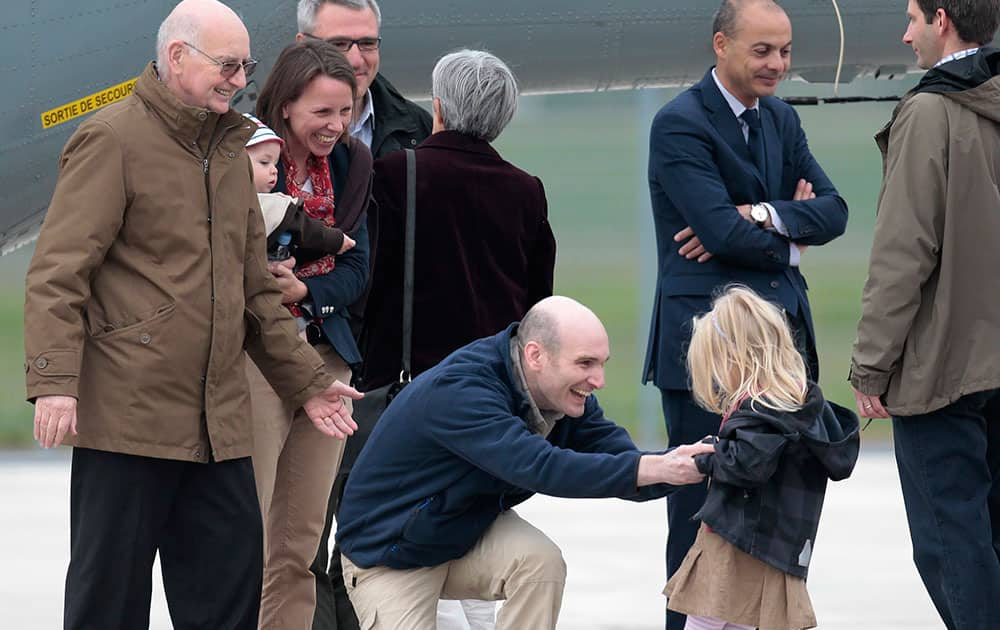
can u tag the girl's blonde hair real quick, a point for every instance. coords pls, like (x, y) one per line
(742, 348)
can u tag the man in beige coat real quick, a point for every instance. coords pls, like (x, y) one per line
(929, 336)
(148, 283)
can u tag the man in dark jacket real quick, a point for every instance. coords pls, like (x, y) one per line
(737, 197)
(385, 122)
(427, 509)
(926, 351)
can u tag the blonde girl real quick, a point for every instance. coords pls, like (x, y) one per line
(778, 444)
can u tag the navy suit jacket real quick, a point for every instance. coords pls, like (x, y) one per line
(700, 169)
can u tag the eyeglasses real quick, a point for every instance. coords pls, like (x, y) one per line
(227, 68)
(344, 44)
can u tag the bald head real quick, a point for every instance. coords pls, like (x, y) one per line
(550, 320)
(186, 23)
(753, 48)
(729, 16)
(565, 349)
(194, 44)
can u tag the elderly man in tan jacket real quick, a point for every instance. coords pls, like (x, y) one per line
(148, 283)
(928, 346)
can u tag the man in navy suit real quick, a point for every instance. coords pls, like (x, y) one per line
(737, 198)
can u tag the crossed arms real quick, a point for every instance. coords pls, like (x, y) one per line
(684, 164)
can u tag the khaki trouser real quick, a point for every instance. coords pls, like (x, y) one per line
(294, 466)
(513, 561)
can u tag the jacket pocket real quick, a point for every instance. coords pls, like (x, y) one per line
(108, 331)
(125, 368)
(420, 528)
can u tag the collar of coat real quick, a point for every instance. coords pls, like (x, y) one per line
(524, 406)
(391, 113)
(189, 124)
(960, 75)
(540, 422)
(458, 141)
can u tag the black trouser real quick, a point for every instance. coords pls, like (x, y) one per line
(686, 423)
(203, 519)
(949, 469)
(804, 343)
(333, 608)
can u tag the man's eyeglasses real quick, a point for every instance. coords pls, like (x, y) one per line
(227, 68)
(344, 44)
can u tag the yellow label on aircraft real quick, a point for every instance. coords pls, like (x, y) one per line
(87, 104)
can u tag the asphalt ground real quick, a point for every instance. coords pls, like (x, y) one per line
(862, 575)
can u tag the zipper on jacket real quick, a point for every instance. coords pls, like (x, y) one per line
(208, 188)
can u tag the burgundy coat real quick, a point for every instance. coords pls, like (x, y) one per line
(484, 252)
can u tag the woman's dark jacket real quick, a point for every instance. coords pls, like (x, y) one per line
(768, 477)
(484, 252)
(331, 294)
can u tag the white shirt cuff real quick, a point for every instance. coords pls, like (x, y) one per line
(779, 225)
(793, 255)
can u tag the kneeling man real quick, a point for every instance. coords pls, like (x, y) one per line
(426, 513)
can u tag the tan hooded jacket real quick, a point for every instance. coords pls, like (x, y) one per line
(930, 325)
(149, 279)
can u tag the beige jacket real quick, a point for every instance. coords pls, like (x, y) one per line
(149, 279)
(930, 324)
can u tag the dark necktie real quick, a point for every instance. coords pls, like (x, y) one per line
(755, 140)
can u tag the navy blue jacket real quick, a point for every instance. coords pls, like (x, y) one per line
(453, 451)
(332, 294)
(699, 169)
(768, 477)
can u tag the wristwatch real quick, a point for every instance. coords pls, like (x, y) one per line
(760, 213)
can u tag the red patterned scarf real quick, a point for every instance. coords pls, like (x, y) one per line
(318, 204)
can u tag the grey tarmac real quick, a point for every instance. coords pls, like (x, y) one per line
(862, 575)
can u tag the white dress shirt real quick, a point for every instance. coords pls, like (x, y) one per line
(738, 109)
(364, 126)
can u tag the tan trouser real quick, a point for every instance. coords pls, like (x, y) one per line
(294, 466)
(512, 561)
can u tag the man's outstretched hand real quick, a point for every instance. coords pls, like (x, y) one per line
(675, 467)
(329, 413)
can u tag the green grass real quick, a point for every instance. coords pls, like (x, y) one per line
(15, 413)
(590, 152)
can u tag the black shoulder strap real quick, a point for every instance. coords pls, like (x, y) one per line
(409, 238)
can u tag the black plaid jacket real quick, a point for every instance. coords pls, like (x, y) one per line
(768, 477)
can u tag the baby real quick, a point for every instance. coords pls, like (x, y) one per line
(283, 213)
